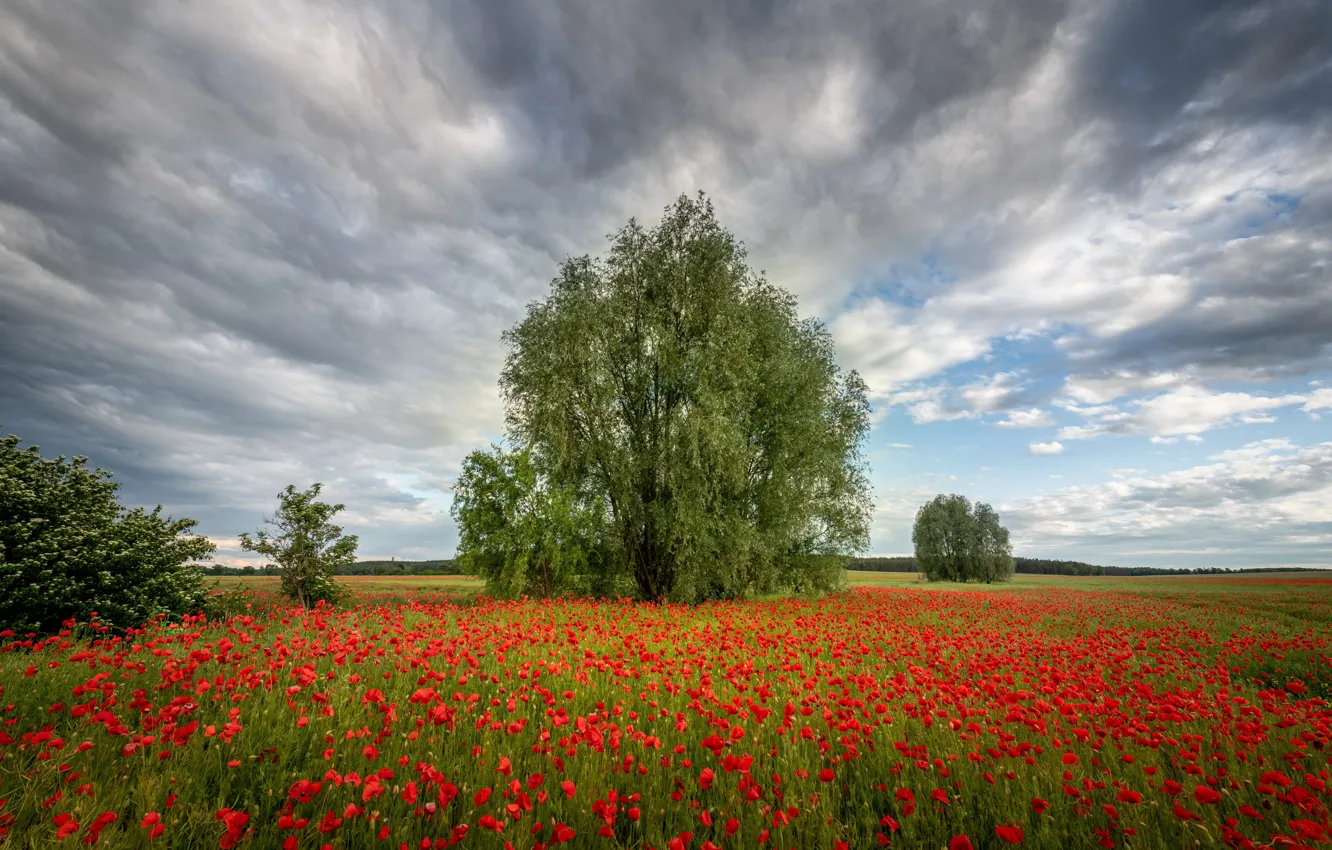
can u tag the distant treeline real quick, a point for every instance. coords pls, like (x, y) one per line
(443, 567)
(905, 564)
(902, 564)
(1047, 567)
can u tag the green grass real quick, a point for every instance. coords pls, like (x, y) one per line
(378, 584)
(1275, 582)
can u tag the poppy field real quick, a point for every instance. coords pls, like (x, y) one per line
(1042, 717)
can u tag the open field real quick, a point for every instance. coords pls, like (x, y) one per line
(1275, 582)
(1050, 712)
(1250, 582)
(377, 584)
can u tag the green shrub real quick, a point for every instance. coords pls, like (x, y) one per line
(69, 549)
(307, 548)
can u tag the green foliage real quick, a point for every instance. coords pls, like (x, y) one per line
(221, 604)
(679, 397)
(1047, 567)
(68, 548)
(897, 564)
(957, 542)
(444, 567)
(518, 532)
(307, 547)
(1021, 566)
(439, 567)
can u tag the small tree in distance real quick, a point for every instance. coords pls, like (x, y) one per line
(955, 541)
(306, 546)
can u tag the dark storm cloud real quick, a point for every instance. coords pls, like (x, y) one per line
(261, 242)
(615, 82)
(217, 248)
(201, 289)
(1187, 148)
(1190, 67)
(1262, 308)
(1168, 77)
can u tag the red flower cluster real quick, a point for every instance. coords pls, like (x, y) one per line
(876, 718)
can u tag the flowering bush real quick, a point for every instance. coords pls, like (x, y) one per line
(1048, 718)
(68, 548)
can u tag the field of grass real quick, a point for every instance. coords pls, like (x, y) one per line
(1273, 582)
(1048, 712)
(362, 584)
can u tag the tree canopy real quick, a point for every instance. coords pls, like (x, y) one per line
(679, 399)
(955, 541)
(69, 549)
(520, 534)
(305, 544)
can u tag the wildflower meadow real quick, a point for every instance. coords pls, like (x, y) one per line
(1041, 717)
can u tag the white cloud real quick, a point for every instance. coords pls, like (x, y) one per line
(1033, 418)
(1320, 399)
(924, 404)
(993, 393)
(895, 510)
(1184, 411)
(1255, 450)
(834, 123)
(1099, 390)
(1237, 500)
(1126, 473)
(1052, 448)
(892, 346)
(944, 403)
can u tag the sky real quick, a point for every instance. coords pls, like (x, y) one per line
(1080, 251)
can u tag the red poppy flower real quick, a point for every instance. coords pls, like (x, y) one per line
(1184, 814)
(1010, 834)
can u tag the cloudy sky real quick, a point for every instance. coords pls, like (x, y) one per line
(1082, 252)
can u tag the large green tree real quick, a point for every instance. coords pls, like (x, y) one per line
(956, 541)
(305, 545)
(69, 549)
(681, 392)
